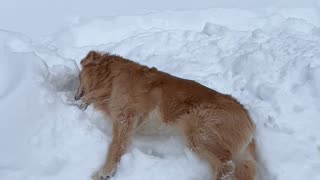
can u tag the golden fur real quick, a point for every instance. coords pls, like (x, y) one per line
(215, 126)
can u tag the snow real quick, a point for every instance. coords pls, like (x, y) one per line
(268, 59)
(38, 17)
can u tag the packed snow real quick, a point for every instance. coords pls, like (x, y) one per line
(269, 60)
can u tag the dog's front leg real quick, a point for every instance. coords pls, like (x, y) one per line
(122, 131)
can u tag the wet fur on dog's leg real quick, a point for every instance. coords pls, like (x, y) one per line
(122, 131)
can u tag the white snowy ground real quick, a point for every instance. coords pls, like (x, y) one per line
(269, 60)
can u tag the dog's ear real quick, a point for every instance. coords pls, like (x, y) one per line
(94, 55)
(91, 58)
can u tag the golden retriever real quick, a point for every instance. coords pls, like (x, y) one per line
(215, 126)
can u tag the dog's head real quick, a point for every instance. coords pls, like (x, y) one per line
(88, 73)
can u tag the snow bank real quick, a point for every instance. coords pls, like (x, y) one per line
(270, 63)
(37, 17)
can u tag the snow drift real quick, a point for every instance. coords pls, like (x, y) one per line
(271, 63)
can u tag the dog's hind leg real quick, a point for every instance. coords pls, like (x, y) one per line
(246, 164)
(219, 158)
(205, 132)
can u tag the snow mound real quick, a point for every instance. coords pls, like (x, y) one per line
(270, 63)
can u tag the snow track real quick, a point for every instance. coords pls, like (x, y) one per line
(271, 63)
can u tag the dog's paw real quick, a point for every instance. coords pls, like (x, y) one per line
(227, 171)
(103, 175)
(77, 98)
(83, 106)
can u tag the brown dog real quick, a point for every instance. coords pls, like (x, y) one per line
(216, 126)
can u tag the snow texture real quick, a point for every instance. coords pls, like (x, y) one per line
(268, 60)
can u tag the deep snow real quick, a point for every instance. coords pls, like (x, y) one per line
(268, 60)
